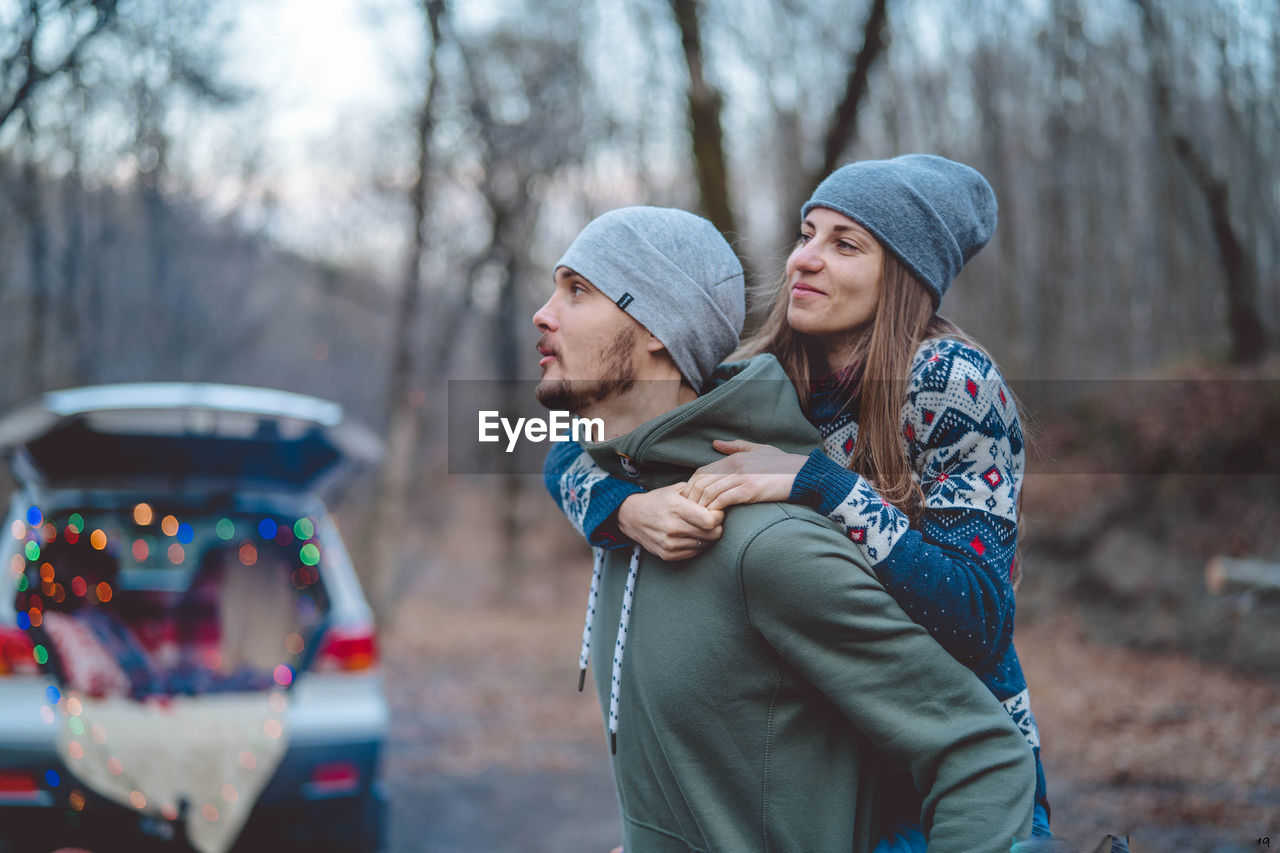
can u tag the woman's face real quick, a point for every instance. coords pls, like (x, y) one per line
(833, 275)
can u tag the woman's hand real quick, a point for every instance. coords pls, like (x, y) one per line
(667, 524)
(751, 473)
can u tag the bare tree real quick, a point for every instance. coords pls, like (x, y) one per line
(1248, 335)
(842, 127)
(21, 73)
(706, 132)
(403, 419)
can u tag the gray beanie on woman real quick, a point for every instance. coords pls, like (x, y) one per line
(931, 213)
(674, 273)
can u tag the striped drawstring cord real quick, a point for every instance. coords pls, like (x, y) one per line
(585, 655)
(620, 644)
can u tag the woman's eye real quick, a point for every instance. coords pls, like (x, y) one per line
(803, 238)
(846, 246)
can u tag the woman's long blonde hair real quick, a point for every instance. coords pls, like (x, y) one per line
(881, 355)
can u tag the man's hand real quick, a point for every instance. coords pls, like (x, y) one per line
(667, 524)
(751, 473)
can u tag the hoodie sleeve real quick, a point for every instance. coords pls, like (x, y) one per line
(964, 440)
(587, 495)
(839, 628)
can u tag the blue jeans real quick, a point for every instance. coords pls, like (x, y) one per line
(908, 837)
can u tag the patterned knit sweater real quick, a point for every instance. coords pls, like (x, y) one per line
(950, 572)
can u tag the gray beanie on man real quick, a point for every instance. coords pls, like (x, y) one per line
(931, 213)
(674, 273)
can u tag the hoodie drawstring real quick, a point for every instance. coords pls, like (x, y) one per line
(585, 654)
(619, 645)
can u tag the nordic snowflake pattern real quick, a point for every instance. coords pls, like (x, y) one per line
(1019, 707)
(575, 489)
(870, 521)
(962, 437)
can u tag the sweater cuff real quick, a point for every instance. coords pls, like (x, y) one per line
(822, 484)
(601, 522)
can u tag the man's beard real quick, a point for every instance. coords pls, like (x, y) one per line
(576, 395)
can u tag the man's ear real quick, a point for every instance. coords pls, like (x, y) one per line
(653, 344)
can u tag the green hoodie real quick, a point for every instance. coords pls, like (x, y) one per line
(760, 677)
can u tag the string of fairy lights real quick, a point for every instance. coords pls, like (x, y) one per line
(39, 584)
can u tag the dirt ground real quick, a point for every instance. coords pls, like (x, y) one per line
(494, 748)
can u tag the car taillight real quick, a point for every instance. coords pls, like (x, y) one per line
(18, 785)
(348, 648)
(336, 778)
(17, 652)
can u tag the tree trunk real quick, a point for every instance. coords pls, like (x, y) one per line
(382, 564)
(32, 206)
(1244, 326)
(842, 127)
(704, 124)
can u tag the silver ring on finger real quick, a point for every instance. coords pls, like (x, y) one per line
(699, 546)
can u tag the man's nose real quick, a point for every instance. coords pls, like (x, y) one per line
(543, 318)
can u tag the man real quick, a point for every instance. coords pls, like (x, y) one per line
(755, 689)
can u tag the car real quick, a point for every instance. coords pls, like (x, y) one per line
(184, 639)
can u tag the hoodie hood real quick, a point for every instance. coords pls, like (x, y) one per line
(751, 400)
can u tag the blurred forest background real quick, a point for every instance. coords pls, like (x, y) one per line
(149, 230)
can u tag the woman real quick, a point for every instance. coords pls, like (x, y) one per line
(924, 452)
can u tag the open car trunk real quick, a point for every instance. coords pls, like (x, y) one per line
(175, 572)
(149, 601)
(177, 633)
(183, 435)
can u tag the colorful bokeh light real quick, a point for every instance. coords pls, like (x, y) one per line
(304, 528)
(226, 529)
(143, 515)
(309, 554)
